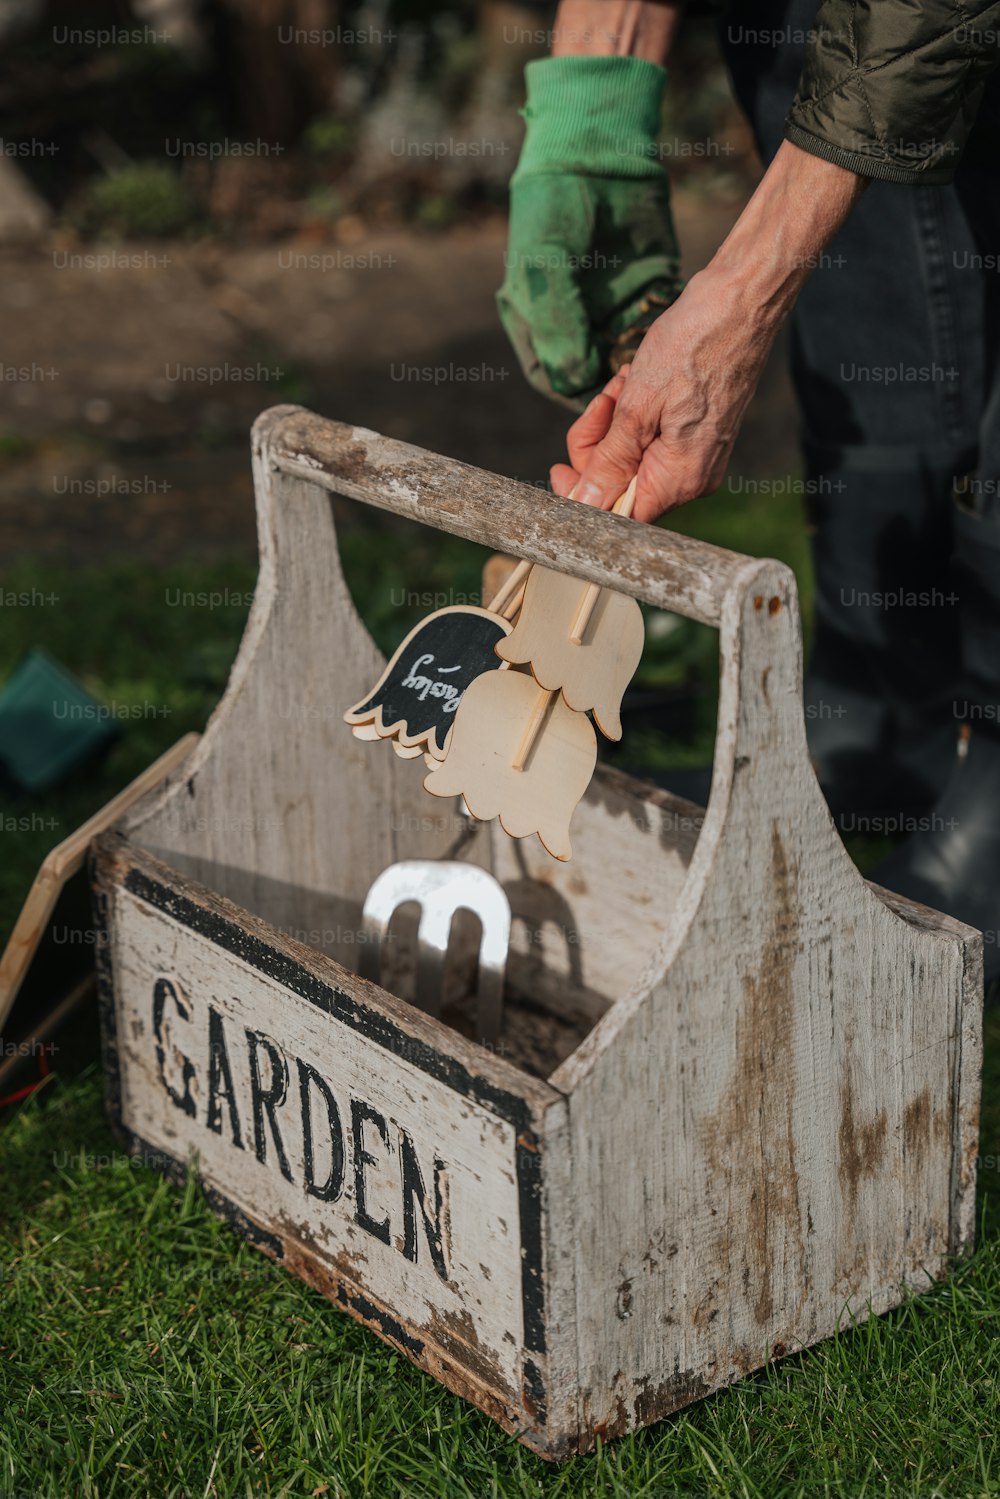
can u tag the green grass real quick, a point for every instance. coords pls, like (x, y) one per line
(118, 630)
(146, 1350)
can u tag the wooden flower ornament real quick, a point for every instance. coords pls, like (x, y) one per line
(522, 747)
(418, 694)
(516, 744)
(521, 754)
(414, 701)
(581, 639)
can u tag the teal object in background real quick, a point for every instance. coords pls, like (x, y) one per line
(50, 726)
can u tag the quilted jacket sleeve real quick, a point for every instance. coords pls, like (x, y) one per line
(890, 88)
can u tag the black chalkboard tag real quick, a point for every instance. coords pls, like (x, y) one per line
(416, 696)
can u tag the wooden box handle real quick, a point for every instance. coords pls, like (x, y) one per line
(659, 567)
(753, 602)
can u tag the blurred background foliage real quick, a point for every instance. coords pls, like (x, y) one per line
(212, 71)
(206, 140)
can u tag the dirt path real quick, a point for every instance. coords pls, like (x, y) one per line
(129, 387)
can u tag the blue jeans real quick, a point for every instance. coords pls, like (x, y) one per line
(895, 352)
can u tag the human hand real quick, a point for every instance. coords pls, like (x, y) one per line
(586, 432)
(675, 419)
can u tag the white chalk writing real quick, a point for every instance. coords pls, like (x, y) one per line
(425, 686)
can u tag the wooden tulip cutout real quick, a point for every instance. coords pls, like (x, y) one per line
(532, 788)
(580, 638)
(370, 735)
(407, 751)
(418, 693)
(414, 701)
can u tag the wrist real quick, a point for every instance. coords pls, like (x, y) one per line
(593, 115)
(615, 28)
(757, 275)
(780, 237)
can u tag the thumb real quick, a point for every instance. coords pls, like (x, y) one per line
(563, 479)
(614, 462)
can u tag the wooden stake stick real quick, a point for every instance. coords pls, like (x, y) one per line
(507, 590)
(532, 728)
(513, 606)
(534, 724)
(622, 506)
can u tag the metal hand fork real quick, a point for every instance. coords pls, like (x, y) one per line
(442, 888)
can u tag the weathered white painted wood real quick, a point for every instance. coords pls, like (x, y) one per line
(476, 1224)
(776, 1129)
(270, 811)
(773, 1122)
(584, 930)
(394, 1165)
(663, 567)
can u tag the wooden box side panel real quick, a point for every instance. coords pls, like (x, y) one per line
(391, 1164)
(779, 1140)
(778, 1134)
(281, 809)
(584, 931)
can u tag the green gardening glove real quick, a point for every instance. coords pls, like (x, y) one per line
(592, 257)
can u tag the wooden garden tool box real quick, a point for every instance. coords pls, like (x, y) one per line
(769, 1126)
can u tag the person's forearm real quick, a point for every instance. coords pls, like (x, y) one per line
(780, 236)
(616, 28)
(678, 413)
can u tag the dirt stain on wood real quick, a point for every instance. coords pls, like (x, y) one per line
(455, 1333)
(647, 1403)
(751, 1139)
(862, 1142)
(917, 1125)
